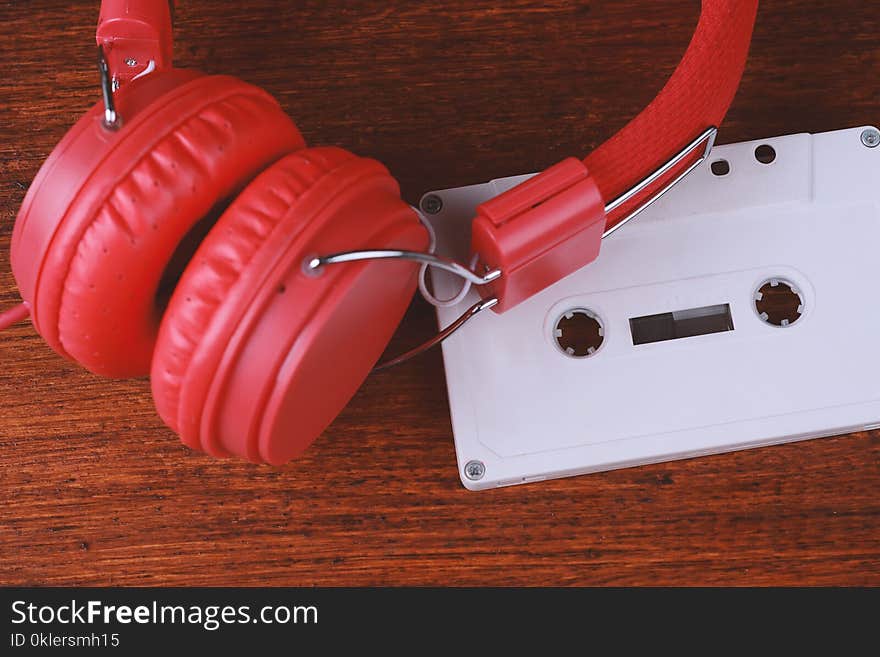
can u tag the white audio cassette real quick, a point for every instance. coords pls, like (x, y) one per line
(738, 311)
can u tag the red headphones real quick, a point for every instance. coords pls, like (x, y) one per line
(201, 185)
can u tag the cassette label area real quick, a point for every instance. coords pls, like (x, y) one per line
(738, 311)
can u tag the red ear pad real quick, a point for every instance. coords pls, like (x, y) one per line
(108, 210)
(255, 356)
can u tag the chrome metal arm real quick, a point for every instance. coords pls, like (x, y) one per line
(469, 314)
(315, 263)
(112, 120)
(708, 136)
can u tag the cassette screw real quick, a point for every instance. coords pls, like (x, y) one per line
(474, 470)
(871, 137)
(432, 204)
(131, 61)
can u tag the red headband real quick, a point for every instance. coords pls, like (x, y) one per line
(552, 225)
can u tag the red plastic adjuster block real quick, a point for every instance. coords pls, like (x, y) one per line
(136, 37)
(539, 232)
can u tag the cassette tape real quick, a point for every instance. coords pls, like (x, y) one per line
(740, 310)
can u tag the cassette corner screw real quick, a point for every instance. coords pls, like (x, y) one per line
(432, 204)
(871, 137)
(475, 470)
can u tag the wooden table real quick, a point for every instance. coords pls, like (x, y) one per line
(96, 491)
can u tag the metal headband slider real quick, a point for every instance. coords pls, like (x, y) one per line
(315, 263)
(550, 226)
(561, 201)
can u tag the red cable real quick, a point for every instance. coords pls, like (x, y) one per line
(14, 315)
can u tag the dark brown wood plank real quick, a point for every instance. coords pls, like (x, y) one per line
(97, 491)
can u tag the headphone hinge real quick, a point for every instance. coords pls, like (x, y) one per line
(136, 38)
(539, 232)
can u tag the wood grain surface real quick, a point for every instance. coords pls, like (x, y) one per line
(97, 492)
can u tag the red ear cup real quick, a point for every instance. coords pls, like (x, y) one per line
(255, 356)
(108, 209)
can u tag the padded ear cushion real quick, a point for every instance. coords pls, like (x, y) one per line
(95, 263)
(245, 316)
(211, 279)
